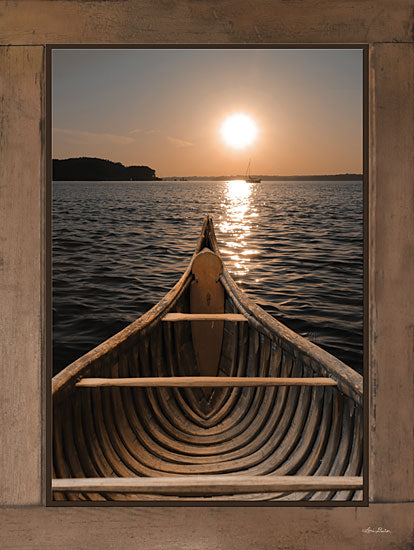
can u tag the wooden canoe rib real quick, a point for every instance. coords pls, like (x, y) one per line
(246, 429)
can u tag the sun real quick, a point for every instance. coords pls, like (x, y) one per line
(238, 130)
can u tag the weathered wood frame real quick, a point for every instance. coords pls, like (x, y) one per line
(25, 28)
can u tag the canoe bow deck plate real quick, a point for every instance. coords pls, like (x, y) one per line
(206, 397)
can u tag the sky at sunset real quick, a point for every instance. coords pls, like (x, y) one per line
(165, 107)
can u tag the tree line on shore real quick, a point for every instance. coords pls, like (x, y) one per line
(95, 169)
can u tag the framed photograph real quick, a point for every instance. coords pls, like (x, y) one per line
(207, 228)
(31, 31)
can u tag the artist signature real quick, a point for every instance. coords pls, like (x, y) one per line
(377, 530)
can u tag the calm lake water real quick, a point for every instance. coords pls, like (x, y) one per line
(295, 247)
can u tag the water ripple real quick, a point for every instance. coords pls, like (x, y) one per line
(295, 247)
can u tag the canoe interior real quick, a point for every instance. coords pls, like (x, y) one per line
(156, 432)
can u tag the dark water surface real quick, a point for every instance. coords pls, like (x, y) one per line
(295, 247)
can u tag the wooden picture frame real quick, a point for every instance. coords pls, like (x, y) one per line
(26, 27)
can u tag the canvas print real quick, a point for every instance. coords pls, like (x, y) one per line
(207, 226)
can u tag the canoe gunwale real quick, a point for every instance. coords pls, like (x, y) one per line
(349, 381)
(123, 339)
(66, 379)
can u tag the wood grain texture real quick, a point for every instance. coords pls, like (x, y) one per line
(212, 485)
(21, 276)
(203, 382)
(207, 297)
(204, 317)
(392, 273)
(205, 21)
(187, 528)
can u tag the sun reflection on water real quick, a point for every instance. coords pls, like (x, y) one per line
(236, 225)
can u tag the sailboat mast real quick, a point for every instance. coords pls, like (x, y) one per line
(248, 169)
(248, 176)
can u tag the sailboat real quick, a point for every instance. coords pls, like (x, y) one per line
(249, 178)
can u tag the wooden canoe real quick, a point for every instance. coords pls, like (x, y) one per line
(207, 397)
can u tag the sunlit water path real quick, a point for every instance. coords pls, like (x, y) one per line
(294, 247)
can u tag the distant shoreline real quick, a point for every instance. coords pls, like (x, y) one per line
(96, 169)
(336, 177)
(329, 177)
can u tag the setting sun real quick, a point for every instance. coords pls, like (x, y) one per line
(238, 130)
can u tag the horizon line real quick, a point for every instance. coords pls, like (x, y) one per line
(223, 176)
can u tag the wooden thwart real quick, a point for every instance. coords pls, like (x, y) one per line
(204, 317)
(203, 382)
(208, 485)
